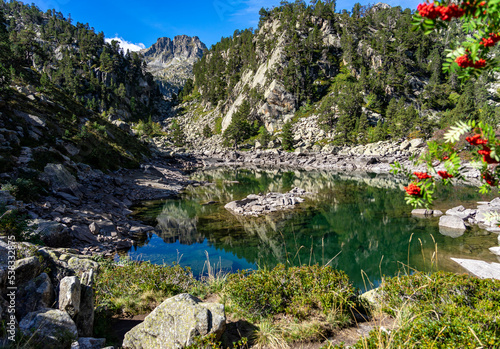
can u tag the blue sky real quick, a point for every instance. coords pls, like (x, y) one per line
(143, 22)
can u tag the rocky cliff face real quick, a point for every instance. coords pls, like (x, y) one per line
(171, 61)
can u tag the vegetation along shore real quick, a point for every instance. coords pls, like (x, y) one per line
(327, 179)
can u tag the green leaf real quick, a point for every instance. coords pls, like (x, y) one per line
(453, 135)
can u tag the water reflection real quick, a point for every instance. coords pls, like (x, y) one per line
(358, 223)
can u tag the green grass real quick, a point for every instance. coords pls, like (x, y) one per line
(312, 303)
(138, 287)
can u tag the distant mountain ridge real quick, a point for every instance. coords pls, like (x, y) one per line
(171, 61)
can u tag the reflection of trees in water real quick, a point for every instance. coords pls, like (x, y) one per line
(176, 224)
(283, 180)
(363, 216)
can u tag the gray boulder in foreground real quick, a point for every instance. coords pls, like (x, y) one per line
(49, 328)
(69, 295)
(176, 322)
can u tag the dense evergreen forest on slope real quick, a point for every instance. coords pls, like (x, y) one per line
(65, 93)
(366, 67)
(77, 59)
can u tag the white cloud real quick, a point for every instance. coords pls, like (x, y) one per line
(127, 45)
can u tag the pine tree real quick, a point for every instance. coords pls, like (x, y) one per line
(349, 100)
(5, 53)
(240, 128)
(287, 136)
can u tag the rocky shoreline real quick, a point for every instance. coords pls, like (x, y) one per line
(89, 210)
(374, 158)
(87, 213)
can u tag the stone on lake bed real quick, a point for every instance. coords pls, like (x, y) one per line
(451, 226)
(453, 233)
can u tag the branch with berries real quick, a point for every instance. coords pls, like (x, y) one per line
(481, 21)
(482, 144)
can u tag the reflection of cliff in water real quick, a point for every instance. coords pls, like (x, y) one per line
(176, 224)
(364, 218)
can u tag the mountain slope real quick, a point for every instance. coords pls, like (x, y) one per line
(343, 78)
(64, 93)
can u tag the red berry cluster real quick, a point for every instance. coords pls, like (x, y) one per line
(488, 178)
(422, 175)
(445, 174)
(446, 13)
(486, 153)
(476, 140)
(413, 189)
(427, 11)
(491, 41)
(465, 62)
(449, 12)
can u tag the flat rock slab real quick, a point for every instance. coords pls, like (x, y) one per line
(481, 269)
(256, 205)
(426, 213)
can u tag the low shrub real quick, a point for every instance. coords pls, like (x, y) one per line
(297, 291)
(14, 223)
(444, 311)
(26, 189)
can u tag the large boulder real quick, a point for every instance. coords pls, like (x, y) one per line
(36, 294)
(69, 295)
(452, 226)
(61, 180)
(26, 269)
(53, 234)
(83, 233)
(461, 212)
(49, 329)
(176, 322)
(63, 262)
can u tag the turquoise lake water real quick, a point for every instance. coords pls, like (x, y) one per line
(356, 223)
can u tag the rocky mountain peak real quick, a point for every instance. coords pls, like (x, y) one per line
(171, 61)
(181, 47)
